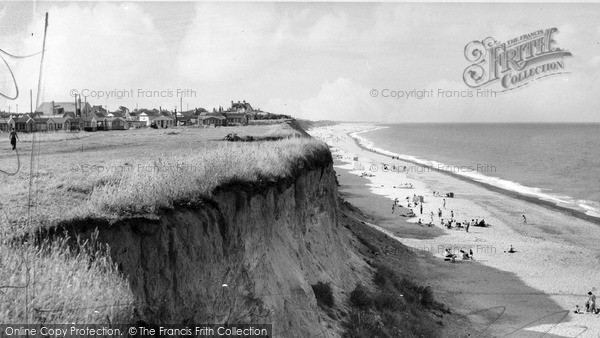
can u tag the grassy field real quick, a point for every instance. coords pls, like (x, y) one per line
(110, 174)
(64, 176)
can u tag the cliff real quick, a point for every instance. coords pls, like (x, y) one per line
(267, 242)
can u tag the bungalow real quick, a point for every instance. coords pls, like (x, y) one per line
(236, 119)
(74, 124)
(41, 123)
(89, 123)
(162, 121)
(56, 123)
(145, 116)
(5, 124)
(24, 123)
(212, 119)
(116, 123)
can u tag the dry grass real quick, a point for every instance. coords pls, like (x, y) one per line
(110, 174)
(55, 284)
(163, 180)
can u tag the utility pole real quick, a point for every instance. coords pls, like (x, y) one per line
(31, 100)
(37, 101)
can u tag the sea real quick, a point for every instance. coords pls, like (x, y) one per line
(556, 163)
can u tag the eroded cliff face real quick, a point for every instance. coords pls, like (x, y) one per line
(268, 244)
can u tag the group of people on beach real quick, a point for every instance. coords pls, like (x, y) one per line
(449, 256)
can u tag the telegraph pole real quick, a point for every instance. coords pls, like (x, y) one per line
(37, 100)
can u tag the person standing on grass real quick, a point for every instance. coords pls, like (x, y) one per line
(421, 208)
(468, 225)
(13, 137)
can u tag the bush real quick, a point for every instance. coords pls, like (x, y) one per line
(388, 301)
(323, 294)
(360, 297)
(363, 323)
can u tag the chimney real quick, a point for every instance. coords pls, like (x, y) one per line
(80, 112)
(53, 107)
(244, 101)
(231, 103)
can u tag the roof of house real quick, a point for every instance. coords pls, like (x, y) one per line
(234, 114)
(243, 105)
(58, 119)
(23, 119)
(88, 118)
(41, 120)
(162, 117)
(218, 117)
(47, 109)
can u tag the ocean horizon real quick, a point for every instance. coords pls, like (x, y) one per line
(552, 162)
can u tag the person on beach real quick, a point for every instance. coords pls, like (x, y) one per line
(451, 213)
(467, 227)
(524, 219)
(393, 207)
(444, 203)
(450, 256)
(439, 212)
(421, 208)
(590, 304)
(511, 250)
(471, 253)
(432, 216)
(13, 137)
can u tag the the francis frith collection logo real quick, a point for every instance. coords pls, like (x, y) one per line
(514, 63)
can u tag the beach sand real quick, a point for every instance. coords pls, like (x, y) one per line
(527, 293)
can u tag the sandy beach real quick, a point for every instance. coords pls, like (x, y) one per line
(531, 292)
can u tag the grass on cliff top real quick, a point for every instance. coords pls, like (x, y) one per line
(103, 174)
(111, 174)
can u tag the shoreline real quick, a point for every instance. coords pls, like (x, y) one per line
(552, 270)
(510, 193)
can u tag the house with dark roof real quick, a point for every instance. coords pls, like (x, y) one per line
(49, 109)
(5, 124)
(116, 123)
(89, 123)
(214, 119)
(56, 123)
(24, 123)
(99, 110)
(241, 107)
(41, 123)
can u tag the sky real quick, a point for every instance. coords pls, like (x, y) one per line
(321, 61)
